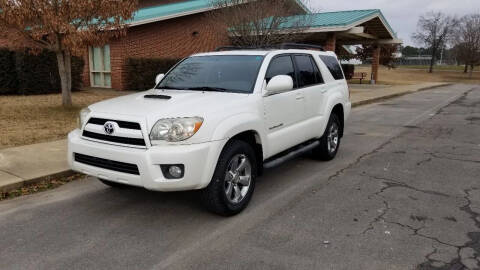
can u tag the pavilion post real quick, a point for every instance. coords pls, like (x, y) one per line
(375, 64)
(331, 43)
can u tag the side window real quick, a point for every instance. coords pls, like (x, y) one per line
(318, 74)
(305, 71)
(333, 66)
(281, 65)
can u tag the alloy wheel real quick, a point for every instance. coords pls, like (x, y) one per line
(238, 178)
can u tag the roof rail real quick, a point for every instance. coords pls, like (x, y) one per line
(282, 46)
(301, 46)
(239, 48)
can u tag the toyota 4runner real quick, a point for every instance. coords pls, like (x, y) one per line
(214, 121)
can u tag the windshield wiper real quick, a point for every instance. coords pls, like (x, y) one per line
(209, 88)
(169, 88)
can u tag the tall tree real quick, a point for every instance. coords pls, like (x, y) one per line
(63, 26)
(258, 23)
(410, 51)
(434, 30)
(468, 41)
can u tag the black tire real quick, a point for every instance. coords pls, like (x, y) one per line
(113, 184)
(323, 152)
(214, 196)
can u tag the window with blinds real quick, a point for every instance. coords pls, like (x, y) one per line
(100, 72)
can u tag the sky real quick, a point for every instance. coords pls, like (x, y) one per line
(401, 14)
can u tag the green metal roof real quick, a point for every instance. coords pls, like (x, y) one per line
(314, 20)
(177, 9)
(153, 12)
(336, 19)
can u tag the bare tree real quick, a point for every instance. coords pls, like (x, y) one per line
(468, 41)
(259, 22)
(63, 26)
(434, 30)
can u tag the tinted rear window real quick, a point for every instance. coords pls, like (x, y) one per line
(306, 74)
(333, 65)
(318, 74)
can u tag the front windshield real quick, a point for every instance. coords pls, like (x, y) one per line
(229, 73)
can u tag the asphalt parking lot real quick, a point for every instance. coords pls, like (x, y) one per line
(403, 193)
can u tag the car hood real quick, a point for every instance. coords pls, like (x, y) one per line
(181, 104)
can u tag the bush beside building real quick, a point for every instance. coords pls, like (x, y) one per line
(23, 73)
(141, 72)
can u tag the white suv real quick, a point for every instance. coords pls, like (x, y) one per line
(214, 121)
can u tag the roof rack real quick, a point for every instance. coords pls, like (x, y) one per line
(282, 46)
(301, 46)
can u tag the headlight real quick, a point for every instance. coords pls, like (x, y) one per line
(175, 129)
(82, 117)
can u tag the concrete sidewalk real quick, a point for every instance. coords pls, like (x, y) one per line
(32, 163)
(362, 94)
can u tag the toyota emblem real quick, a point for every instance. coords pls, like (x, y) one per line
(109, 128)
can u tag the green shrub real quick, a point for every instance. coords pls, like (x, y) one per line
(141, 72)
(37, 73)
(77, 71)
(8, 76)
(24, 73)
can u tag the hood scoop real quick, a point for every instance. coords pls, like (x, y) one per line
(158, 97)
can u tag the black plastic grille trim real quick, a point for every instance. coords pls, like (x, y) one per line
(107, 164)
(122, 124)
(115, 139)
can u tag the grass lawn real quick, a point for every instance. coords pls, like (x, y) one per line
(399, 76)
(33, 119)
(442, 67)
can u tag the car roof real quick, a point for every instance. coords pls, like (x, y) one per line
(265, 52)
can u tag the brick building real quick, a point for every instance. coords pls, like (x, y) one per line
(170, 29)
(178, 28)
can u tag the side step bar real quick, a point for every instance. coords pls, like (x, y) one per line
(290, 154)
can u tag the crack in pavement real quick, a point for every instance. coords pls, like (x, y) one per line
(474, 243)
(429, 256)
(378, 218)
(467, 254)
(392, 183)
(435, 155)
(421, 162)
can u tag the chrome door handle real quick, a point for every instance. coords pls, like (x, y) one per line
(299, 97)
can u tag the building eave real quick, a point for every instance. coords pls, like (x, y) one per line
(346, 27)
(196, 11)
(172, 16)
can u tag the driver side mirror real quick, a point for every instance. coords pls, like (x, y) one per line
(279, 84)
(159, 78)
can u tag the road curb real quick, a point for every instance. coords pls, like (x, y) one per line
(27, 182)
(377, 99)
(434, 86)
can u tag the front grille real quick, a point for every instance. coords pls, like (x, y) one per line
(115, 139)
(122, 124)
(107, 164)
(129, 133)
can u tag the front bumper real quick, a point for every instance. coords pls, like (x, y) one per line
(199, 159)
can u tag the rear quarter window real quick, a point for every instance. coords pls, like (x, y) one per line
(333, 66)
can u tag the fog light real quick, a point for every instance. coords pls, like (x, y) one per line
(175, 171)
